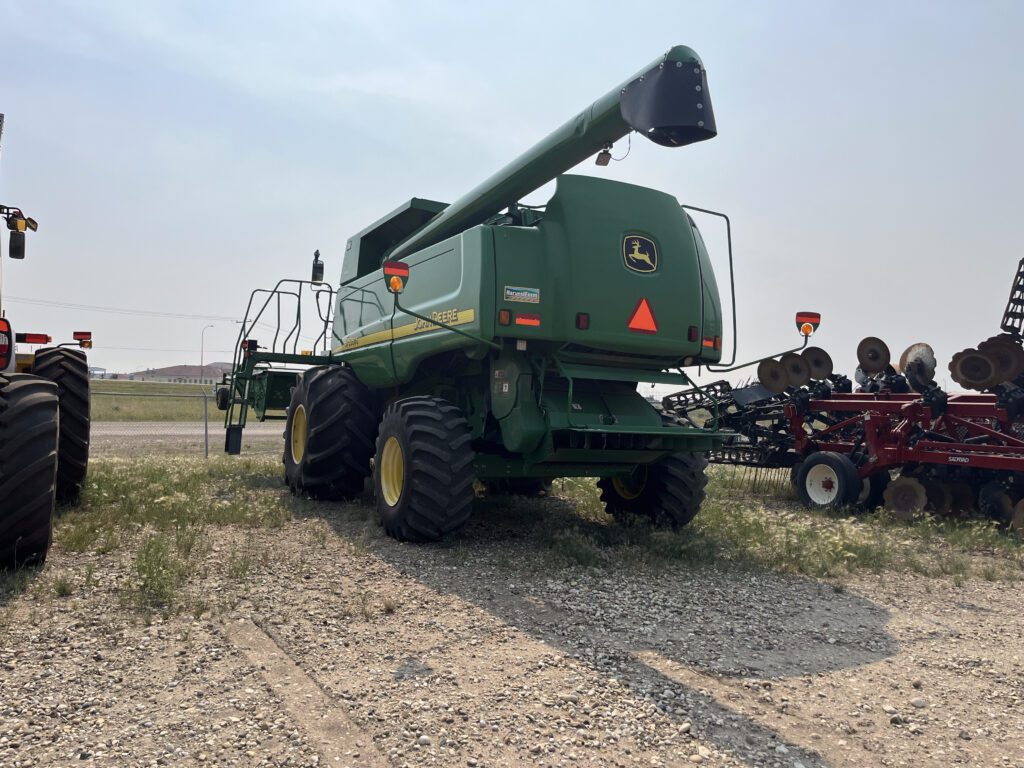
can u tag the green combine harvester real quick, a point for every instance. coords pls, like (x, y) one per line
(488, 340)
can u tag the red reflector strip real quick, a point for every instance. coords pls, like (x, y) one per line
(32, 338)
(642, 319)
(709, 342)
(82, 335)
(803, 319)
(399, 268)
(532, 320)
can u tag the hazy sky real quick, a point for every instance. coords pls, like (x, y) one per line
(179, 154)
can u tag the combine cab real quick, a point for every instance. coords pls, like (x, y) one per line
(488, 340)
(44, 424)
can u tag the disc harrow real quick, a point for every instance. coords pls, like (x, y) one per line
(912, 446)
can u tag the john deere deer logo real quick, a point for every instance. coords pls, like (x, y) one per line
(639, 253)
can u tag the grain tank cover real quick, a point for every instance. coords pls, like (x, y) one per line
(670, 105)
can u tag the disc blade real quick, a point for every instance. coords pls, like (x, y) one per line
(1008, 357)
(772, 376)
(940, 498)
(905, 497)
(819, 362)
(798, 372)
(964, 498)
(1017, 520)
(973, 369)
(873, 355)
(921, 353)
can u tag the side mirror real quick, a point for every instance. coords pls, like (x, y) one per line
(17, 247)
(807, 322)
(318, 268)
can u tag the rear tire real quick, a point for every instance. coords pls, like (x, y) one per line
(668, 492)
(329, 434)
(29, 428)
(828, 480)
(423, 470)
(69, 370)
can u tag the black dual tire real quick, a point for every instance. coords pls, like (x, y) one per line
(423, 469)
(328, 437)
(828, 480)
(29, 424)
(668, 492)
(69, 370)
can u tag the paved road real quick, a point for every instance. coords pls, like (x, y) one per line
(121, 438)
(149, 429)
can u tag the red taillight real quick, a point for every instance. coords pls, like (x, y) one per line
(718, 343)
(82, 336)
(32, 338)
(399, 268)
(582, 321)
(5, 343)
(504, 317)
(692, 333)
(709, 342)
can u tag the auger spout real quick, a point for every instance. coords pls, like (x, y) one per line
(667, 101)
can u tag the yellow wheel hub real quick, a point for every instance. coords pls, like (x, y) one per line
(632, 485)
(298, 435)
(392, 471)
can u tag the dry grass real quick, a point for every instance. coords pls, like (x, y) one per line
(122, 400)
(163, 515)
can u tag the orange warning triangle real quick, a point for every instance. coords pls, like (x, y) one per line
(643, 320)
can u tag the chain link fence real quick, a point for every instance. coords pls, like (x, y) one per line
(141, 422)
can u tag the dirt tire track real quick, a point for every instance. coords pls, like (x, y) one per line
(337, 739)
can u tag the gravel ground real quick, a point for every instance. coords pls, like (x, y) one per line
(335, 645)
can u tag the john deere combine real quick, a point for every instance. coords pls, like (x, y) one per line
(494, 341)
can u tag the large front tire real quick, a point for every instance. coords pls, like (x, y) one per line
(69, 370)
(423, 470)
(668, 493)
(328, 437)
(29, 417)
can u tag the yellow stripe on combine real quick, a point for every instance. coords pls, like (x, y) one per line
(462, 317)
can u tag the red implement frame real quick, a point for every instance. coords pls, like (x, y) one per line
(901, 429)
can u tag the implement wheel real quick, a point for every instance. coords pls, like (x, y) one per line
(423, 470)
(68, 369)
(328, 437)
(828, 480)
(28, 467)
(668, 492)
